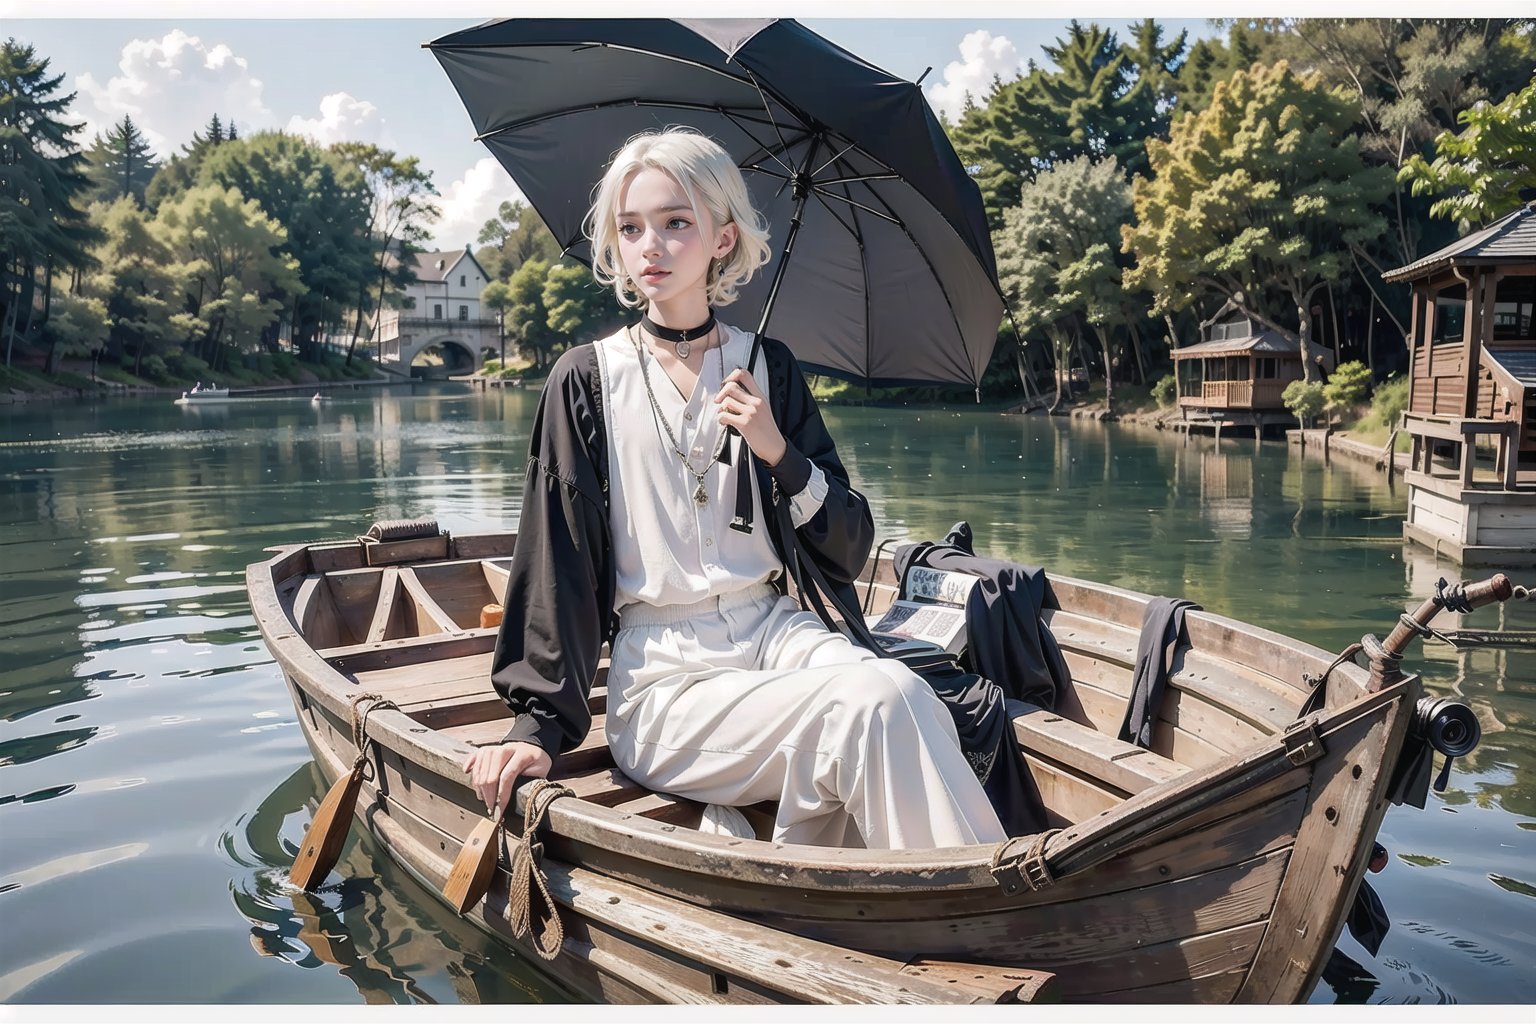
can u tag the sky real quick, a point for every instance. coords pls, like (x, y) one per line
(341, 69)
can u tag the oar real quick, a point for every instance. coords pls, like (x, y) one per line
(470, 876)
(328, 831)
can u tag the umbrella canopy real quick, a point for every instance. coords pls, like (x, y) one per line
(883, 269)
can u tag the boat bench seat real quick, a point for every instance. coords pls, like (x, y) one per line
(1087, 751)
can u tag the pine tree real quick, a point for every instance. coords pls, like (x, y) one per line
(229, 133)
(122, 162)
(43, 184)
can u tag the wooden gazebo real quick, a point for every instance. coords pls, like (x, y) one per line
(1234, 378)
(1473, 345)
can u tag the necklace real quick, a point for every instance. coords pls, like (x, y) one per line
(700, 495)
(680, 337)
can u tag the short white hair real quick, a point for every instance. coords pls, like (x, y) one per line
(713, 185)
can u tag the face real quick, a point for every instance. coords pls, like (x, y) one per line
(664, 248)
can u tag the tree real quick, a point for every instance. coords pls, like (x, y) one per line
(1348, 385)
(1212, 61)
(1259, 198)
(122, 162)
(525, 316)
(1412, 77)
(498, 296)
(43, 184)
(402, 209)
(231, 263)
(513, 237)
(1486, 166)
(180, 172)
(1056, 256)
(325, 206)
(1304, 399)
(577, 306)
(134, 279)
(1103, 102)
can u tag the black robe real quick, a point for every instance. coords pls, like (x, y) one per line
(559, 600)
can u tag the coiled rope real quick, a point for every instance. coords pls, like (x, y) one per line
(527, 879)
(360, 730)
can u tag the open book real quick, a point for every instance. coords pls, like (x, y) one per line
(931, 608)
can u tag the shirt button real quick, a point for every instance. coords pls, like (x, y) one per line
(709, 542)
(688, 416)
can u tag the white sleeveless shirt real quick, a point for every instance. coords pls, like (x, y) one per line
(667, 548)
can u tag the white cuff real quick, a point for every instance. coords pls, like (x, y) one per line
(804, 506)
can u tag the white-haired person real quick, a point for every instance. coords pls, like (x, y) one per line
(720, 687)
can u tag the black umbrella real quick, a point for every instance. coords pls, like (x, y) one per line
(883, 272)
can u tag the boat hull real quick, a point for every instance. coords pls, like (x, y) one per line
(1213, 875)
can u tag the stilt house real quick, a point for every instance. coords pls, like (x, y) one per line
(1234, 378)
(1473, 382)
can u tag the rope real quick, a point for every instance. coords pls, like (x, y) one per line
(526, 876)
(402, 529)
(1314, 701)
(360, 729)
(1452, 597)
(1030, 866)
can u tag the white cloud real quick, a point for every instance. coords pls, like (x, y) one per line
(983, 56)
(171, 86)
(343, 118)
(471, 201)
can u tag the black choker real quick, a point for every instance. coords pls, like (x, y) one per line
(678, 337)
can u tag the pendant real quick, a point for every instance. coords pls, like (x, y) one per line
(699, 495)
(683, 349)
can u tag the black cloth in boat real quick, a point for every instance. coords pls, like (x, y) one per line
(1006, 639)
(560, 594)
(1162, 623)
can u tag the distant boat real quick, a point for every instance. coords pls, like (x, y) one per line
(200, 394)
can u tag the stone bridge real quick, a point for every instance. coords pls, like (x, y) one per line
(403, 339)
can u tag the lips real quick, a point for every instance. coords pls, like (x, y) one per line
(654, 274)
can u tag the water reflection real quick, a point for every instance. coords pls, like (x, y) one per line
(375, 926)
(139, 709)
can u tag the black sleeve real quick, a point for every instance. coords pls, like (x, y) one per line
(560, 593)
(841, 532)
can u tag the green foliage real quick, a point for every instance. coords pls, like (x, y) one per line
(1387, 405)
(43, 188)
(512, 238)
(122, 163)
(1260, 198)
(229, 261)
(1212, 61)
(1165, 391)
(1056, 251)
(577, 306)
(1348, 385)
(1485, 165)
(1304, 399)
(324, 206)
(1103, 103)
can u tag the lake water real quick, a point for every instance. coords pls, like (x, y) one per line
(153, 780)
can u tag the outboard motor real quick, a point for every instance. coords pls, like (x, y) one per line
(1440, 725)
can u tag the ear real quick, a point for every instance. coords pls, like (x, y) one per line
(727, 241)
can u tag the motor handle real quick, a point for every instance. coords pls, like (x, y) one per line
(1460, 597)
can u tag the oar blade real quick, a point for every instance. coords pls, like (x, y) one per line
(470, 876)
(327, 832)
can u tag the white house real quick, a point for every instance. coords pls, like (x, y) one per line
(441, 307)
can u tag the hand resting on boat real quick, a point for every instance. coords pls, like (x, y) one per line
(493, 771)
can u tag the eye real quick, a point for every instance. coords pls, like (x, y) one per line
(678, 223)
(626, 229)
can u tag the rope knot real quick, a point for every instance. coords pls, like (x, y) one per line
(528, 880)
(361, 764)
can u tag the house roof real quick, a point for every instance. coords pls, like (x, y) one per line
(436, 266)
(1510, 239)
(1518, 363)
(1263, 343)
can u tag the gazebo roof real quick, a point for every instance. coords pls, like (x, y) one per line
(1518, 363)
(1510, 239)
(1265, 343)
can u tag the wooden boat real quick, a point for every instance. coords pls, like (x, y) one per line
(1216, 866)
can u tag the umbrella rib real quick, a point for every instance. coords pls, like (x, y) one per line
(834, 214)
(854, 203)
(606, 104)
(948, 303)
(888, 176)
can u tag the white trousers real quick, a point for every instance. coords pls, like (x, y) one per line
(747, 698)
